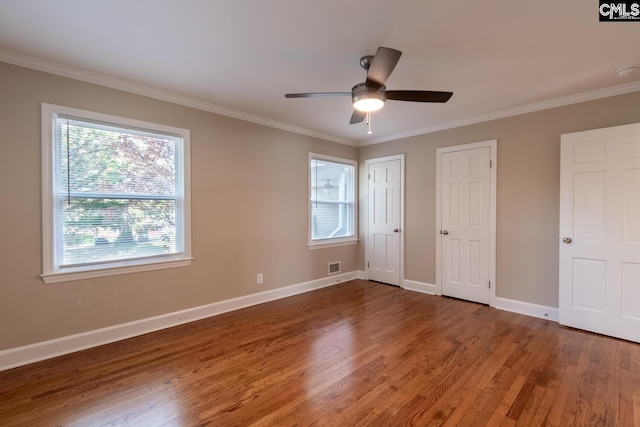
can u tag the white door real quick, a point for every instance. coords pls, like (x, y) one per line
(600, 231)
(384, 222)
(465, 180)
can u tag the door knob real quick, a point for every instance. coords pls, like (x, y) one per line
(445, 232)
(566, 239)
(396, 230)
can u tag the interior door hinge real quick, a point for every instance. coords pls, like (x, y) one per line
(368, 264)
(369, 176)
(490, 164)
(489, 284)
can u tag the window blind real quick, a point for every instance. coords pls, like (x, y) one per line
(117, 193)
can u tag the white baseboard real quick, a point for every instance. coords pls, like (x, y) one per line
(514, 306)
(363, 275)
(425, 288)
(526, 308)
(31, 353)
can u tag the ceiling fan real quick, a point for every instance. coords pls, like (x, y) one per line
(371, 94)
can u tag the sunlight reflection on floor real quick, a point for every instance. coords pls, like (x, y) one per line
(160, 408)
(332, 354)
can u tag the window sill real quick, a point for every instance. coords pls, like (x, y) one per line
(56, 277)
(331, 244)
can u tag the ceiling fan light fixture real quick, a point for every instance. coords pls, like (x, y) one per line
(372, 94)
(368, 99)
(368, 104)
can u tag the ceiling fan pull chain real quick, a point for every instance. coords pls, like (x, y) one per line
(369, 123)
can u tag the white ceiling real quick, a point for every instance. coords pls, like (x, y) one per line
(239, 57)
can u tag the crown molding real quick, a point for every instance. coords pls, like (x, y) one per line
(509, 112)
(111, 82)
(138, 89)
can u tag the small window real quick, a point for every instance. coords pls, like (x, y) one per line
(115, 195)
(332, 218)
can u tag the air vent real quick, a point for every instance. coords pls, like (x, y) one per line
(334, 267)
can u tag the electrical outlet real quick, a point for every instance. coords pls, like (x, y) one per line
(259, 278)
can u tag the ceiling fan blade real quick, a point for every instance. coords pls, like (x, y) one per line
(357, 117)
(419, 95)
(315, 94)
(383, 63)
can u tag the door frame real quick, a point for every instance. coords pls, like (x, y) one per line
(367, 249)
(493, 146)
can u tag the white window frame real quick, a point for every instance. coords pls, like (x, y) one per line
(334, 241)
(51, 273)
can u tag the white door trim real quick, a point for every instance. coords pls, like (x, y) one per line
(367, 250)
(493, 145)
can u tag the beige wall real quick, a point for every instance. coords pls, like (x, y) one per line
(527, 191)
(249, 214)
(249, 207)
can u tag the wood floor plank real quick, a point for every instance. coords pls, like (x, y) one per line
(358, 353)
(636, 407)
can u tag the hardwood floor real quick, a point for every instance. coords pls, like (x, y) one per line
(358, 353)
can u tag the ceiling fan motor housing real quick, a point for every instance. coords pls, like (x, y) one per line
(368, 98)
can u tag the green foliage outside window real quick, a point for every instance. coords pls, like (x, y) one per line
(116, 193)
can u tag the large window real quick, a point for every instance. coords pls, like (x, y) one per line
(115, 195)
(332, 218)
